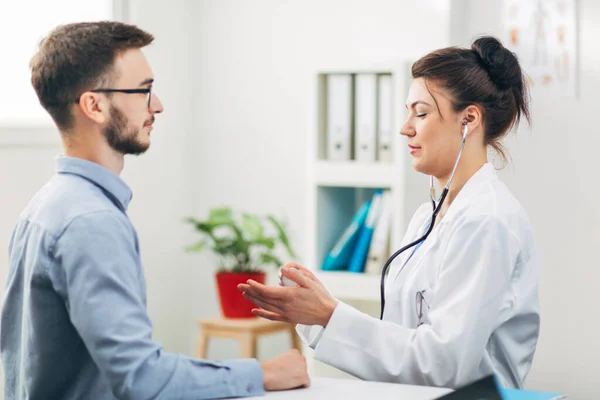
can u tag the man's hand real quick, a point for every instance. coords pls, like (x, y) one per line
(287, 371)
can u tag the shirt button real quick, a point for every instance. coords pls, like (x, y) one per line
(250, 387)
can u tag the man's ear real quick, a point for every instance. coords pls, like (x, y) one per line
(93, 106)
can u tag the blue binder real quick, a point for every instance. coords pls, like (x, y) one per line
(361, 249)
(338, 257)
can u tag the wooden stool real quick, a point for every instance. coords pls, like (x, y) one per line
(246, 330)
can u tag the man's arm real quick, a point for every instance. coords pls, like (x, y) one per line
(97, 261)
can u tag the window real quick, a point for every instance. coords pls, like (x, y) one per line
(23, 23)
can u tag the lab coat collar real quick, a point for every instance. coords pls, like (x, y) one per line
(471, 188)
(466, 195)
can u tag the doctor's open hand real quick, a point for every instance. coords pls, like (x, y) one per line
(307, 304)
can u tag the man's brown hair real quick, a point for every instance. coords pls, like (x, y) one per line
(78, 57)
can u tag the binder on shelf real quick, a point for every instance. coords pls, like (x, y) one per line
(385, 118)
(365, 118)
(337, 259)
(339, 117)
(380, 243)
(361, 249)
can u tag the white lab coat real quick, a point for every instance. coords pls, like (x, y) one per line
(477, 272)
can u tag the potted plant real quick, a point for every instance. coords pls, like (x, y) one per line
(244, 245)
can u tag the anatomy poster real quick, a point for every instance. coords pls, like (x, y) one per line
(543, 34)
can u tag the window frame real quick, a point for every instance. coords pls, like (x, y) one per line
(20, 132)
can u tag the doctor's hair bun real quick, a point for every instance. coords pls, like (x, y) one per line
(500, 63)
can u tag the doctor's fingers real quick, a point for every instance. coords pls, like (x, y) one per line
(264, 304)
(269, 315)
(269, 303)
(305, 271)
(263, 291)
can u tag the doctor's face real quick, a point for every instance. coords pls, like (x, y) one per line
(433, 129)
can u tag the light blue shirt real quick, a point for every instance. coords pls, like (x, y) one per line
(74, 323)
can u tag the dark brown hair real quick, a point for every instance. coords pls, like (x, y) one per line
(488, 75)
(78, 57)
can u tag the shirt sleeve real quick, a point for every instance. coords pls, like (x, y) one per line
(470, 295)
(98, 263)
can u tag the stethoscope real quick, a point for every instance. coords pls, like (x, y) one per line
(436, 210)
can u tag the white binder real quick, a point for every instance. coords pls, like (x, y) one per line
(385, 119)
(365, 117)
(339, 117)
(380, 242)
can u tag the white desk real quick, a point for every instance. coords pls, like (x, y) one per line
(350, 389)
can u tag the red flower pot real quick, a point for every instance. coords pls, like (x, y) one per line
(233, 303)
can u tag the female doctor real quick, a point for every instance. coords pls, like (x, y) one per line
(463, 303)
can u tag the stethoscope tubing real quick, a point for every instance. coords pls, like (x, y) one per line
(434, 214)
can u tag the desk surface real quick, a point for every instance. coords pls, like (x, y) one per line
(350, 389)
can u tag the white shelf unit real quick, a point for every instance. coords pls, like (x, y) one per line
(353, 174)
(350, 285)
(336, 189)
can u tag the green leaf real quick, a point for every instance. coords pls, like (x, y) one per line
(225, 246)
(269, 243)
(252, 225)
(268, 258)
(221, 213)
(282, 235)
(204, 227)
(191, 220)
(240, 244)
(236, 229)
(200, 246)
(220, 216)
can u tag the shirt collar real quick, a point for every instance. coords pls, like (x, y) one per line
(97, 174)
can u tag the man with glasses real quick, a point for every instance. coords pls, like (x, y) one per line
(74, 323)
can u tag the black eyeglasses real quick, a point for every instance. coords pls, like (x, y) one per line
(147, 91)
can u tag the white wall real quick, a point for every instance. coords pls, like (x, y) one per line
(554, 173)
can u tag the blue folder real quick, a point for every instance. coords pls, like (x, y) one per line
(339, 256)
(514, 394)
(488, 388)
(363, 242)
